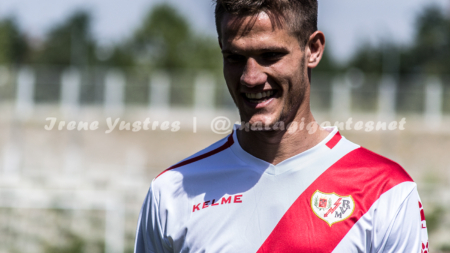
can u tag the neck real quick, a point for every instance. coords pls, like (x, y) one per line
(277, 146)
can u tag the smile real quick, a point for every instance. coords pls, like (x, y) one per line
(260, 96)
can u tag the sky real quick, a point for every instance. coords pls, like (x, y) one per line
(346, 23)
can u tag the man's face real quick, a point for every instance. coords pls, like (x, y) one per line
(264, 69)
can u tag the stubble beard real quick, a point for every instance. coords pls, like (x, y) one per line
(292, 106)
(287, 114)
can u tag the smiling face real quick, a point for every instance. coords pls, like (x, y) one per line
(265, 69)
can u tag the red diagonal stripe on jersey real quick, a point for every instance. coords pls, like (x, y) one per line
(336, 138)
(331, 210)
(227, 144)
(362, 174)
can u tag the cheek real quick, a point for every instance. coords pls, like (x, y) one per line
(232, 82)
(232, 74)
(295, 89)
(233, 92)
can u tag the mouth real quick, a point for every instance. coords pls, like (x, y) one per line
(259, 97)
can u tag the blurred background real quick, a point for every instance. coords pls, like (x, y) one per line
(75, 188)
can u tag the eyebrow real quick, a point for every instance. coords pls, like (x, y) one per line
(262, 50)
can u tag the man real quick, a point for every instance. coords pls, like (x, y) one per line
(279, 182)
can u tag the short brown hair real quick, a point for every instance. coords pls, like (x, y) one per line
(299, 15)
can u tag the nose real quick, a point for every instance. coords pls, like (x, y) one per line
(253, 74)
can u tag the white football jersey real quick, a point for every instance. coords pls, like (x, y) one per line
(334, 197)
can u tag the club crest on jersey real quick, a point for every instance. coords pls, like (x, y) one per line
(331, 207)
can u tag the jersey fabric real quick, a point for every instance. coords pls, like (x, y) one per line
(334, 197)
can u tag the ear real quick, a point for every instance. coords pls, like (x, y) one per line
(315, 48)
(220, 42)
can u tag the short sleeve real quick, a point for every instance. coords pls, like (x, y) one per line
(149, 232)
(408, 232)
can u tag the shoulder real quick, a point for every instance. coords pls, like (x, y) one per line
(365, 172)
(364, 163)
(192, 164)
(368, 177)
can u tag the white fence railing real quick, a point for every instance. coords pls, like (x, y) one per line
(200, 92)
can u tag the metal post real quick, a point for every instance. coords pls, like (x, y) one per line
(114, 227)
(11, 159)
(204, 96)
(387, 97)
(433, 102)
(114, 92)
(159, 92)
(70, 92)
(341, 97)
(25, 93)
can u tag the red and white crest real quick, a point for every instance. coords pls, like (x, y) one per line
(331, 207)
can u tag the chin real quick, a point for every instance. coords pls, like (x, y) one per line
(260, 124)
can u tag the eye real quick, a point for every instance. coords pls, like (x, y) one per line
(234, 58)
(272, 56)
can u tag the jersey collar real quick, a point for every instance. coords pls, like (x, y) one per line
(305, 159)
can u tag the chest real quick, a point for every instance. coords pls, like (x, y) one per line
(261, 221)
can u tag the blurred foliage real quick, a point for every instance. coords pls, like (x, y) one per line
(166, 40)
(163, 40)
(13, 44)
(434, 219)
(445, 248)
(431, 50)
(162, 37)
(73, 243)
(367, 59)
(428, 54)
(69, 43)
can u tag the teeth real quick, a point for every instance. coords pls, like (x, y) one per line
(259, 95)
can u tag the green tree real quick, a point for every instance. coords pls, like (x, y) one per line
(13, 44)
(69, 43)
(430, 52)
(368, 59)
(161, 38)
(119, 57)
(165, 40)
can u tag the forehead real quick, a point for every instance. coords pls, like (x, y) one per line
(258, 28)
